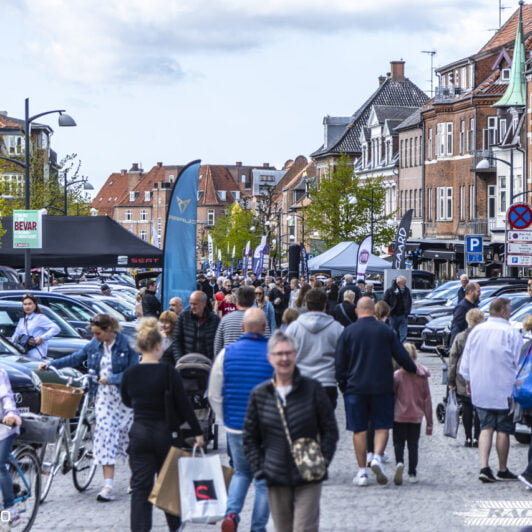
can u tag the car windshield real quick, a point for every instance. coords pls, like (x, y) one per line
(522, 312)
(445, 291)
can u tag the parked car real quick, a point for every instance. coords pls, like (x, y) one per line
(438, 331)
(9, 279)
(516, 319)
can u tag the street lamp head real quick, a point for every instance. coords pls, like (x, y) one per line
(87, 186)
(65, 120)
(484, 164)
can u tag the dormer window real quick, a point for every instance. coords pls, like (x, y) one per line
(505, 74)
(236, 194)
(147, 195)
(222, 194)
(132, 195)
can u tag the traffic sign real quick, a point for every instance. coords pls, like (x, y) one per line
(519, 216)
(474, 248)
(519, 260)
(520, 248)
(474, 257)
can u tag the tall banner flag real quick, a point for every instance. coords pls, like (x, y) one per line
(179, 274)
(363, 256)
(233, 258)
(258, 257)
(400, 241)
(154, 235)
(210, 250)
(303, 263)
(218, 269)
(245, 264)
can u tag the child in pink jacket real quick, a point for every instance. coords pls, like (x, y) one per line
(412, 402)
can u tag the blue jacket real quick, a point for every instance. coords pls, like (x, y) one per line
(245, 366)
(122, 356)
(364, 355)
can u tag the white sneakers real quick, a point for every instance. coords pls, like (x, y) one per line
(398, 477)
(105, 495)
(376, 467)
(361, 479)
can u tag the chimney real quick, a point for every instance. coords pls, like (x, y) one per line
(382, 79)
(265, 165)
(159, 165)
(135, 168)
(398, 70)
(238, 163)
(123, 171)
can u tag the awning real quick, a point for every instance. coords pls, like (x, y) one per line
(439, 254)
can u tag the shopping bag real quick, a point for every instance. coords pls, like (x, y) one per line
(450, 427)
(165, 492)
(202, 488)
(522, 389)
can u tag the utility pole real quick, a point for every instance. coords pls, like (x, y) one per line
(432, 53)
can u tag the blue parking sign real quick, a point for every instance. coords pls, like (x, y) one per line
(474, 248)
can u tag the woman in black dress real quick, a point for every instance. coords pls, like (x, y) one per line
(143, 389)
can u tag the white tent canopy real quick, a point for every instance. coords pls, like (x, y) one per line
(342, 259)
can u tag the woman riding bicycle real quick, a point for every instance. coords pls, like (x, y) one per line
(109, 355)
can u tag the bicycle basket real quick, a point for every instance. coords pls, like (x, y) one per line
(38, 429)
(60, 400)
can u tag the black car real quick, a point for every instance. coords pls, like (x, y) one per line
(438, 331)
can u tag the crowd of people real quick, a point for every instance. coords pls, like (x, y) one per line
(281, 352)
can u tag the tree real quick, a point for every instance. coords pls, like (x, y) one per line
(340, 207)
(233, 229)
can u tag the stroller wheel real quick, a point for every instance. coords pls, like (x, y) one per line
(440, 412)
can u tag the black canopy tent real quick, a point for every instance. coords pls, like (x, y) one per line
(81, 241)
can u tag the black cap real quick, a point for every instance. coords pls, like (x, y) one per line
(105, 287)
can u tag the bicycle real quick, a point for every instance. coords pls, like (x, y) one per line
(72, 450)
(25, 471)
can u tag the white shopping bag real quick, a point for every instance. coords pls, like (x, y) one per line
(450, 427)
(202, 488)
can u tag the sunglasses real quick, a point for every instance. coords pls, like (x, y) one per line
(259, 293)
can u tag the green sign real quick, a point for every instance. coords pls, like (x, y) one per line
(27, 229)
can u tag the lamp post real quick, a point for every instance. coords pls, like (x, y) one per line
(484, 164)
(293, 212)
(86, 186)
(64, 120)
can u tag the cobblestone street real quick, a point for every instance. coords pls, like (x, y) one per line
(448, 497)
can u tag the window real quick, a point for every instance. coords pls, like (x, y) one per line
(210, 217)
(461, 147)
(490, 134)
(222, 194)
(143, 215)
(505, 74)
(445, 139)
(410, 152)
(429, 205)
(11, 185)
(236, 194)
(462, 203)
(415, 152)
(147, 195)
(472, 204)
(402, 158)
(471, 136)
(502, 130)
(128, 216)
(491, 201)
(143, 234)
(415, 203)
(502, 194)
(132, 195)
(445, 203)
(429, 145)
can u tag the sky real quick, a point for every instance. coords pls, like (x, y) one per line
(217, 80)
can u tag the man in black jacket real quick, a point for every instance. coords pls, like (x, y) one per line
(349, 285)
(195, 328)
(464, 280)
(400, 300)
(151, 306)
(364, 372)
(471, 299)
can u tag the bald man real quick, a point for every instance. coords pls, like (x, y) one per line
(176, 305)
(195, 328)
(237, 369)
(364, 372)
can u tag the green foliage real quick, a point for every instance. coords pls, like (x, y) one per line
(340, 209)
(233, 229)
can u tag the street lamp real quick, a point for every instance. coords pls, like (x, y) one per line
(484, 164)
(86, 186)
(64, 120)
(293, 212)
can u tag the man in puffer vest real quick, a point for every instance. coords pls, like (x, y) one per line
(237, 369)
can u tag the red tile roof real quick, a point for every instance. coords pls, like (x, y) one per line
(215, 178)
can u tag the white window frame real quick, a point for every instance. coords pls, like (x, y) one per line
(128, 215)
(210, 217)
(143, 234)
(502, 130)
(444, 203)
(461, 147)
(132, 196)
(147, 195)
(143, 215)
(429, 205)
(472, 203)
(492, 201)
(445, 139)
(462, 203)
(502, 184)
(429, 145)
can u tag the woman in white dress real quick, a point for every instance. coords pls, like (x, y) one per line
(109, 355)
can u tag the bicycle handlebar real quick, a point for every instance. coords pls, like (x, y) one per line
(85, 379)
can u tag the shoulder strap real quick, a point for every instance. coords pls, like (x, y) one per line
(283, 418)
(342, 308)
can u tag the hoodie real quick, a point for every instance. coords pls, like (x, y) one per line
(412, 397)
(316, 334)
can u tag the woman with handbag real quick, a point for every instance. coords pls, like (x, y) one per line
(108, 354)
(156, 394)
(34, 329)
(290, 436)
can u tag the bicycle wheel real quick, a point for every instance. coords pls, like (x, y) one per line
(84, 466)
(50, 459)
(26, 485)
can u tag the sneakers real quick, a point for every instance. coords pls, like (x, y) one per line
(105, 495)
(505, 475)
(398, 477)
(412, 479)
(486, 475)
(229, 524)
(526, 479)
(376, 467)
(385, 458)
(14, 517)
(361, 479)
(468, 443)
(369, 459)
(475, 443)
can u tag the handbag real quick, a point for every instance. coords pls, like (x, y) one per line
(450, 427)
(202, 489)
(26, 342)
(306, 452)
(522, 388)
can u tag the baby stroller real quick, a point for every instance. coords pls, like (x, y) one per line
(194, 370)
(443, 352)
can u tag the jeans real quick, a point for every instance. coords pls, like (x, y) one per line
(400, 325)
(406, 433)
(6, 484)
(149, 443)
(239, 486)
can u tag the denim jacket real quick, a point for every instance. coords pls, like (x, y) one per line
(122, 356)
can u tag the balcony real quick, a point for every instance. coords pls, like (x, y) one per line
(446, 94)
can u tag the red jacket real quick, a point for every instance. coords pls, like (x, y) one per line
(412, 397)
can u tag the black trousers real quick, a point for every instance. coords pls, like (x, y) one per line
(469, 416)
(149, 443)
(332, 394)
(406, 433)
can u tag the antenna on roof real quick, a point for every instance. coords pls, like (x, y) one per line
(501, 7)
(432, 53)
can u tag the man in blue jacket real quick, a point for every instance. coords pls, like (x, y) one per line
(237, 369)
(364, 372)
